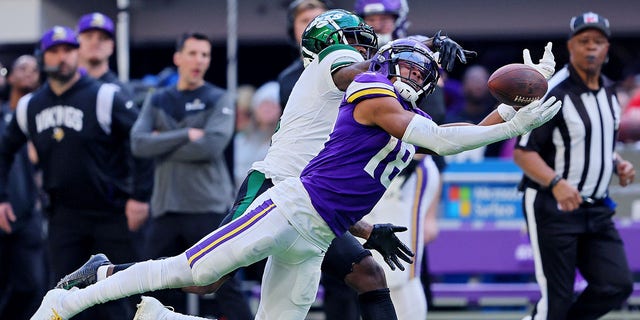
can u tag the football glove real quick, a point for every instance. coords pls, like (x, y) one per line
(450, 51)
(384, 240)
(506, 111)
(533, 115)
(546, 66)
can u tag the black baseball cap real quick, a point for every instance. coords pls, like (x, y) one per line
(589, 20)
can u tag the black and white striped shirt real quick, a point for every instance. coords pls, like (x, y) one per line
(578, 143)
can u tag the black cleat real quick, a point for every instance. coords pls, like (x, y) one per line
(85, 275)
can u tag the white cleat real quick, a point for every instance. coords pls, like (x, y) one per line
(151, 309)
(51, 306)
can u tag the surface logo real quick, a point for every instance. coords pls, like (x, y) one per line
(460, 201)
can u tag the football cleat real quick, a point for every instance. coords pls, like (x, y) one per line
(86, 274)
(151, 309)
(51, 306)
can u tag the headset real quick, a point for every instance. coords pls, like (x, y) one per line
(39, 54)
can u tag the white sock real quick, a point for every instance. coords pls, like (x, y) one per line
(141, 277)
(101, 274)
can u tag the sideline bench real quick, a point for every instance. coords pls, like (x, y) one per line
(496, 249)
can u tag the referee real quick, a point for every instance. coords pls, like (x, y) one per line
(568, 165)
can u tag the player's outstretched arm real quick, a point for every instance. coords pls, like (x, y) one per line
(387, 113)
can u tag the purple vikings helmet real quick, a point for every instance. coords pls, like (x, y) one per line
(397, 8)
(414, 55)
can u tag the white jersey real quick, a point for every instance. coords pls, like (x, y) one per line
(308, 117)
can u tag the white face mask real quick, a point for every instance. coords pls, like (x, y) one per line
(406, 91)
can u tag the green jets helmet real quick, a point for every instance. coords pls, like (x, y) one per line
(337, 27)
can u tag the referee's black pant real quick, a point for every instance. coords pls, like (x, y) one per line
(584, 239)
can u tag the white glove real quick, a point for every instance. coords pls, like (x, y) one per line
(546, 65)
(506, 111)
(533, 115)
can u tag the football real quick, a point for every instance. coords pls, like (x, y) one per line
(629, 130)
(517, 84)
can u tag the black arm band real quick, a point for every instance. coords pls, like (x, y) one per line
(554, 181)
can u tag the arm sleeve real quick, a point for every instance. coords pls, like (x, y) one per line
(427, 134)
(218, 132)
(145, 143)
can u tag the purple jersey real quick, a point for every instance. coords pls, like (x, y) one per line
(348, 177)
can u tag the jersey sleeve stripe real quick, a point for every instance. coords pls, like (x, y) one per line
(104, 105)
(340, 64)
(371, 92)
(21, 113)
(356, 86)
(332, 48)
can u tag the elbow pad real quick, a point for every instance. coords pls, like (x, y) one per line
(444, 141)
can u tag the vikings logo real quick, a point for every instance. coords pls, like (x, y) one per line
(58, 134)
(59, 33)
(97, 20)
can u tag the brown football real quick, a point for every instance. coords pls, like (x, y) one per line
(629, 130)
(517, 84)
